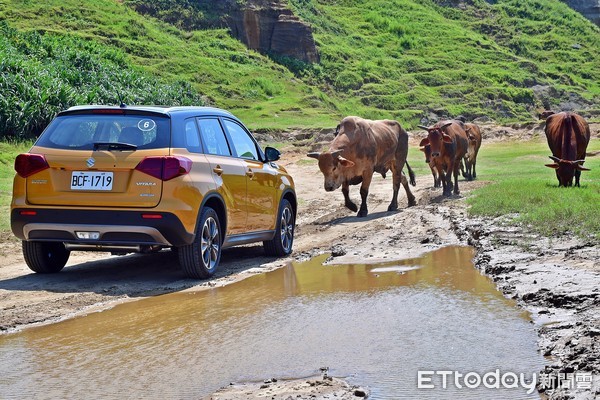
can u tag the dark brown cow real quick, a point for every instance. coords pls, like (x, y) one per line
(360, 148)
(474, 136)
(448, 142)
(568, 135)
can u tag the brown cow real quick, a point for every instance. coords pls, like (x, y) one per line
(568, 135)
(367, 147)
(436, 176)
(474, 136)
(448, 142)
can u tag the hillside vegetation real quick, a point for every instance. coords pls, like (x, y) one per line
(400, 59)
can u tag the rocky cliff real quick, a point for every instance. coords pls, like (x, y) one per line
(271, 27)
(588, 8)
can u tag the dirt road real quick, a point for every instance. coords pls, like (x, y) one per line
(558, 284)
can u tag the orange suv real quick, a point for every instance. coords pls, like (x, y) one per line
(140, 179)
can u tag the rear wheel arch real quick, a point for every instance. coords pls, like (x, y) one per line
(215, 202)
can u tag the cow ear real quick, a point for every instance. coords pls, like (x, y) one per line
(581, 168)
(424, 142)
(313, 155)
(554, 165)
(447, 138)
(345, 162)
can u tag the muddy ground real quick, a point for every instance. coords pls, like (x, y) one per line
(556, 279)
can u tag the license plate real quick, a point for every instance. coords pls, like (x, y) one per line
(87, 180)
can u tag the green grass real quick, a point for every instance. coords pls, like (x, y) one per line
(399, 59)
(527, 191)
(262, 93)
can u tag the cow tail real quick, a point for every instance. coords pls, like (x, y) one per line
(411, 175)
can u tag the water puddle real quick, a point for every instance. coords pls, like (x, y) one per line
(377, 325)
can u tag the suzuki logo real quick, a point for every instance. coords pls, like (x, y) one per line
(90, 162)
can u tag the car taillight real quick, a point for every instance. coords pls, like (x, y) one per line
(165, 168)
(29, 164)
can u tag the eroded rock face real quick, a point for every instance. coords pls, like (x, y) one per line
(588, 8)
(269, 26)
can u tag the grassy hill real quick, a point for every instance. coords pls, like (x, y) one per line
(379, 59)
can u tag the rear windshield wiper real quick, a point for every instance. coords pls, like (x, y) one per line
(118, 146)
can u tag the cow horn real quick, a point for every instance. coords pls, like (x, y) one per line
(445, 125)
(336, 154)
(578, 162)
(555, 159)
(313, 155)
(423, 127)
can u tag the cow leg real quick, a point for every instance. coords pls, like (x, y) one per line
(444, 182)
(364, 192)
(447, 178)
(468, 175)
(347, 202)
(409, 195)
(577, 175)
(456, 171)
(474, 173)
(464, 168)
(436, 178)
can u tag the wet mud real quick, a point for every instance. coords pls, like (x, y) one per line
(558, 280)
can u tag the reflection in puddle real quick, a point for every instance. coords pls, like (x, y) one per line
(393, 269)
(377, 329)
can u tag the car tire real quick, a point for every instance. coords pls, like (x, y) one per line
(45, 257)
(200, 259)
(281, 244)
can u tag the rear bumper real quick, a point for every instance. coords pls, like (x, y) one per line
(115, 228)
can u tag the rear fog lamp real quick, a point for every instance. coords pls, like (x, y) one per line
(88, 235)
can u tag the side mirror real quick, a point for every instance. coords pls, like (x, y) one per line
(272, 154)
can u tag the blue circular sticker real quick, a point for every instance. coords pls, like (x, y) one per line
(146, 125)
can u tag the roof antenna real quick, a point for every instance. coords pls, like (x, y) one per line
(122, 103)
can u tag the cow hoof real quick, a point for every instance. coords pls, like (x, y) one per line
(412, 203)
(362, 213)
(392, 208)
(352, 207)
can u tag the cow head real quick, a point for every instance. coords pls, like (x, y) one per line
(565, 169)
(470, 136)
(435, 139)
(546, 113)
(332, 165)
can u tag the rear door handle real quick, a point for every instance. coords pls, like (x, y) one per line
(218, 170)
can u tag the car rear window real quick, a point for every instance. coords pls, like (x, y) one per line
(81, 131)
